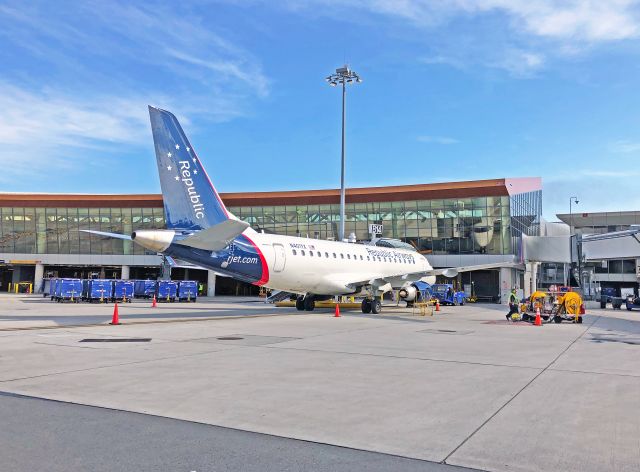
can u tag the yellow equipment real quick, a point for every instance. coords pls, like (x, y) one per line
(569, 307)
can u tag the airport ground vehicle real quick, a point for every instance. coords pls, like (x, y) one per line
(447, 295)
(187, 290)
(122, 290)
(167, 290)
(606, 296)
(553, 306)
(632, 303)
(68, 290)
(144, 288)
(100, 290)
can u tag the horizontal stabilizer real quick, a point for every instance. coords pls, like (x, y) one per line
(216, 237)
(109, 235)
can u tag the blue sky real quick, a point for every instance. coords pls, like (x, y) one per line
(452, 90)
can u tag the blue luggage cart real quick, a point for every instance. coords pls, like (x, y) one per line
(144, 288)
(122, 291)
(68, 290)
(52, 289)
(100, 290)
(167, 291)
(187, 291)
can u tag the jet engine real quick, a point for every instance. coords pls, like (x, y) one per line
(408, 293)
(154, 239)
(415, 291)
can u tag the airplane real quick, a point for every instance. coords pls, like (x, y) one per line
(201, 230)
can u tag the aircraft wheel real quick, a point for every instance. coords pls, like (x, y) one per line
(579, 319)
(309, 303)
(557, 319)
(376, 306)
(366, 306)
(300, 304)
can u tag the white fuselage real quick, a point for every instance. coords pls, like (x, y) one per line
(304, 265)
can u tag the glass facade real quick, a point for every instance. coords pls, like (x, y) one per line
(56, 230)
(479, 225)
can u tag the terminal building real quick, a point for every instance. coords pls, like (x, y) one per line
(452, 224)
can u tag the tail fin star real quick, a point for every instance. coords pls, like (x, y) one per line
(190, 200)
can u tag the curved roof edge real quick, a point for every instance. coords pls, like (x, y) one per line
(438, 190)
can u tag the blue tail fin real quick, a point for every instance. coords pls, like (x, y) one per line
(190, 200)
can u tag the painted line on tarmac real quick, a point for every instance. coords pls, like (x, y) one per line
(444, 461)
(125, 322)
(307, 441)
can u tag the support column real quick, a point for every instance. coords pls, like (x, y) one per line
(506, 284)
(211, 283)
(37, 278)
(124, 275)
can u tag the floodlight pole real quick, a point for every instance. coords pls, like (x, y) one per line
(342, 188)
(571, 199)
(342, 76)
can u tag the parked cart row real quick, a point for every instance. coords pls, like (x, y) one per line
(107, 290)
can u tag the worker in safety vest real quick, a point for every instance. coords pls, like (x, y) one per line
(513, 304)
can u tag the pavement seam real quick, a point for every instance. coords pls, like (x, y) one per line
(121, 364)
(429, 359)
(444, 461)
(67, 402)
(571, 371)
(127, 322)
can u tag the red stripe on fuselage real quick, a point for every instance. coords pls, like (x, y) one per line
(263, 261)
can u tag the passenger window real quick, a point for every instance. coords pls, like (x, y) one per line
(341, 256)
(302, 252)
(348, 256)
(319, 254)
(361, 258)
(368, 258)
(326, 254)
(334, 255)
(311, 253)
(294, 252)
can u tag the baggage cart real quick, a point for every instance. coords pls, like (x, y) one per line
(187, 291)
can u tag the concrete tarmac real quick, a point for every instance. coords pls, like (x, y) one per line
(40, 434)
(463, 387)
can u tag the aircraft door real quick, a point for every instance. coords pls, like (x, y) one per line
(280, 257)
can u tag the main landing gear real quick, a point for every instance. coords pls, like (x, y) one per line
(371, 306)
(307, 303)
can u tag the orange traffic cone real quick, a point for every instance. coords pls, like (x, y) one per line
(337, 315)
(538, 321)
(154, 303)
(115, 320)
(437, 305)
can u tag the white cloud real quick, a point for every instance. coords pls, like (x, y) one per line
(437, 139)
(624, 146)
(98, 100)
(590, 20)
(518, 35)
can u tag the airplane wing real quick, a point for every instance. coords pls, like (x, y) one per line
(453, 271)
(400, 279)
(216, 237)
